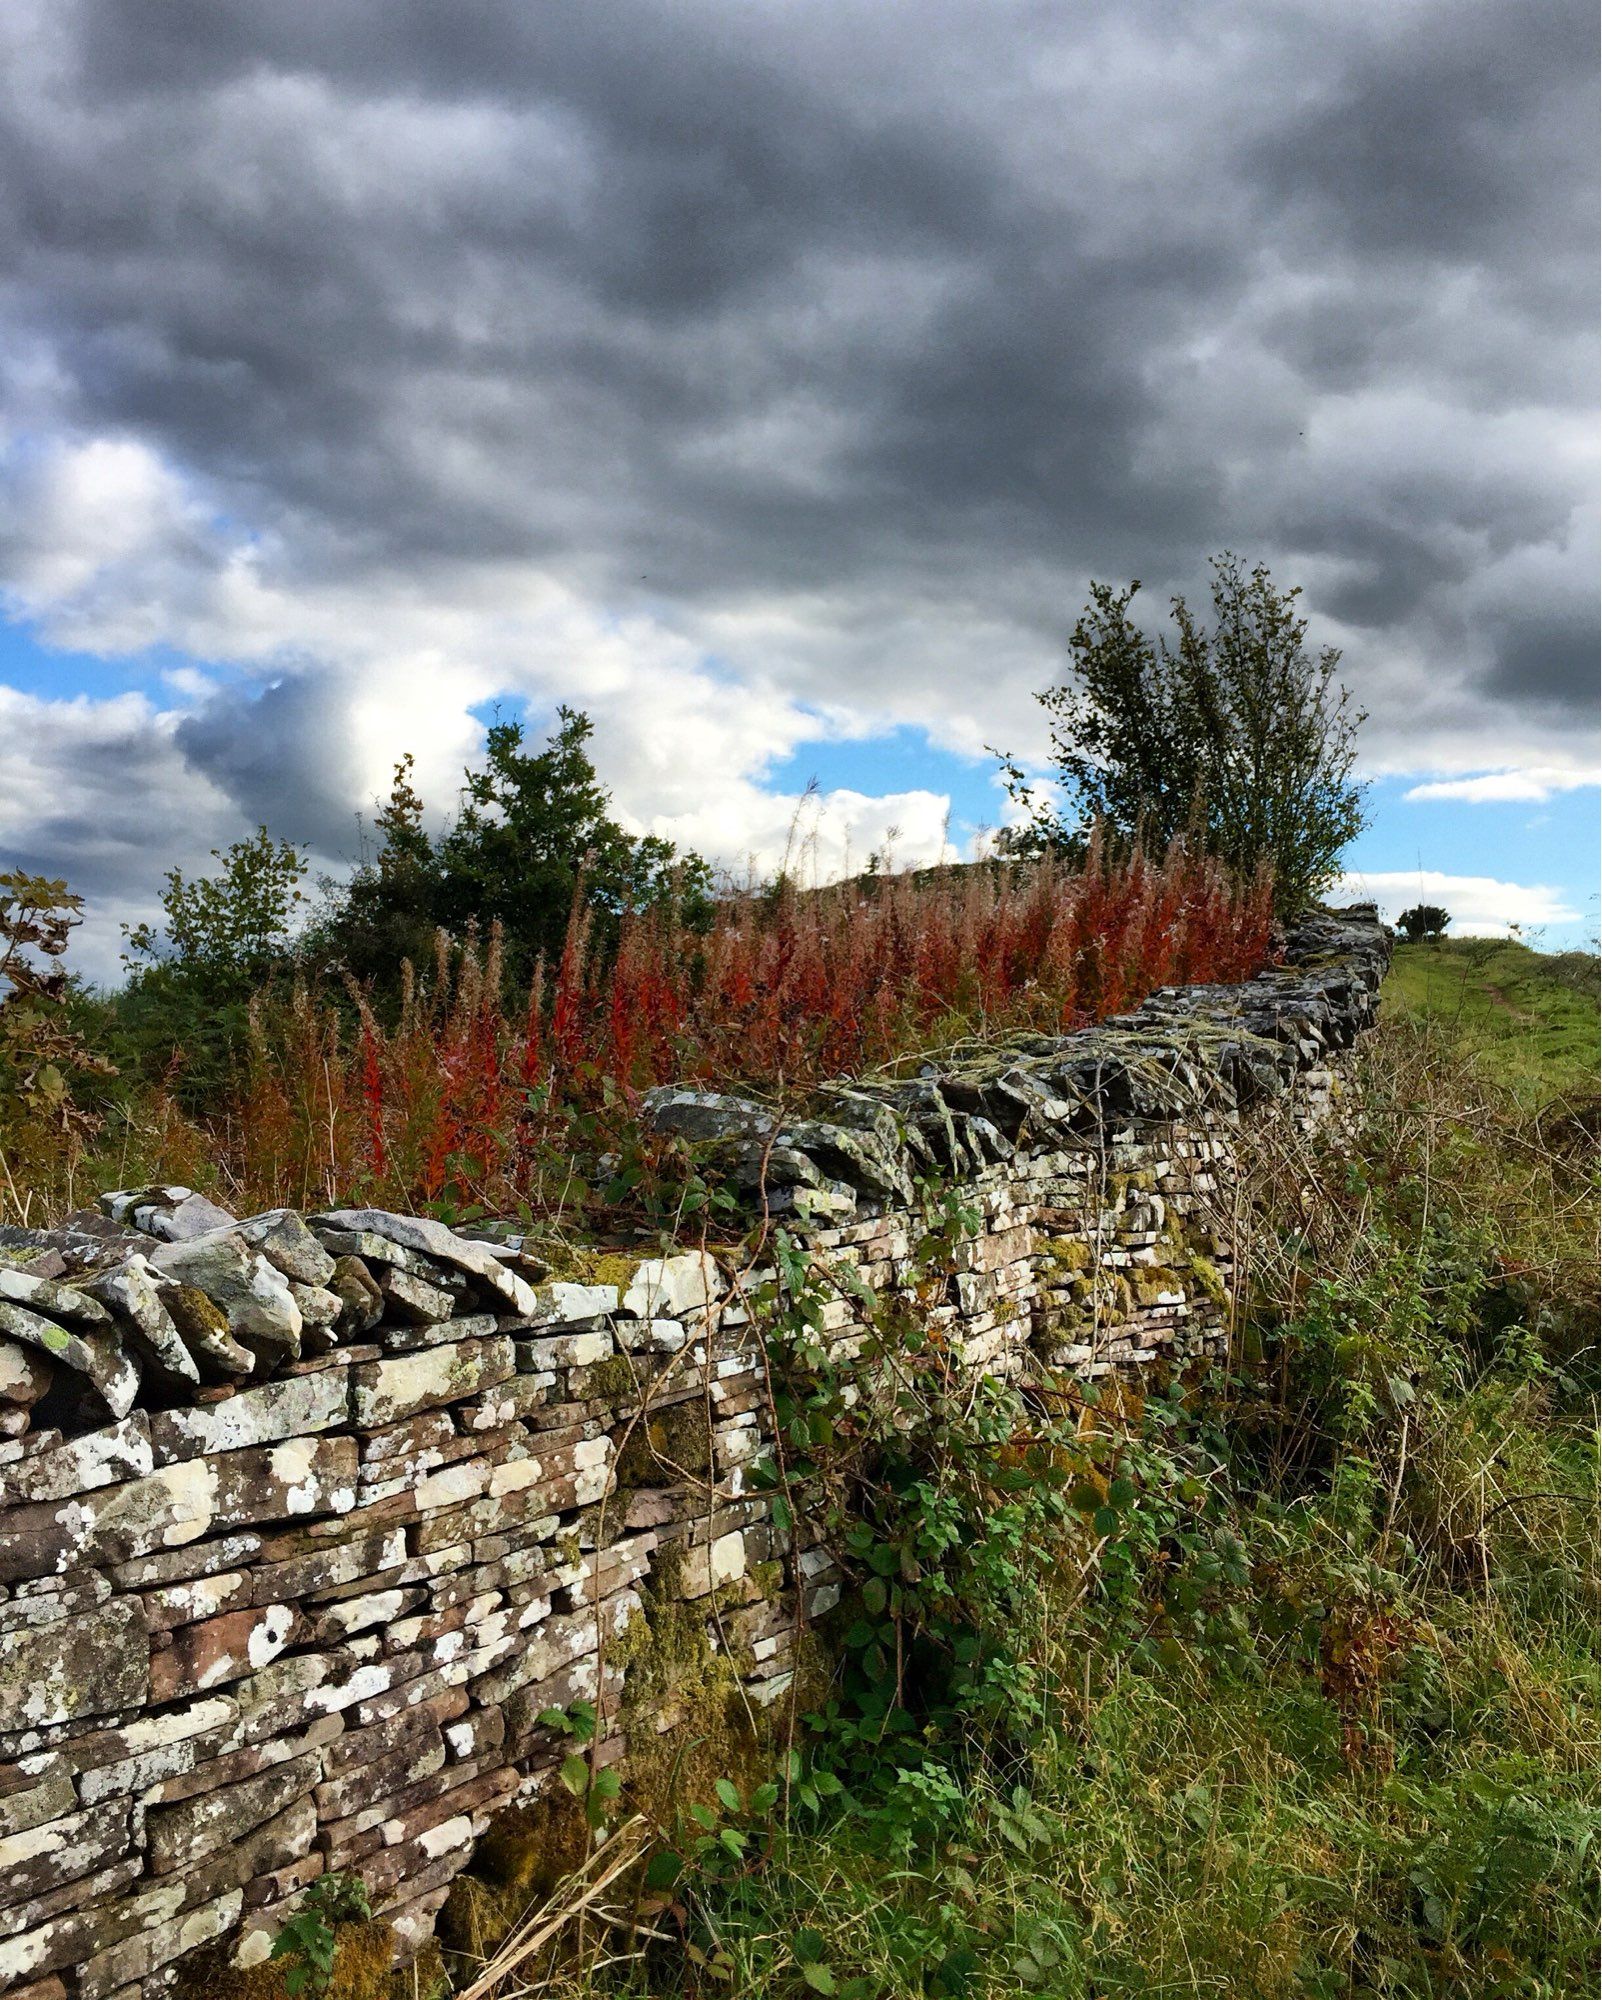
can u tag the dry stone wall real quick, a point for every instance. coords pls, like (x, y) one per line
(304, 1521)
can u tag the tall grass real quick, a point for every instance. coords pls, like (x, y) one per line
(461, 1099)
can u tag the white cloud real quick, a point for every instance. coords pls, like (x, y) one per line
(1535, 781)
(1480, 905)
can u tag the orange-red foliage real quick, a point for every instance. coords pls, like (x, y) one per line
(466, 1098)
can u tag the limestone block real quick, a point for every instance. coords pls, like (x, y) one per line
(25, 1375)
(563, 1350)
(180, 1503)
(255, 1296)
(292, 1407)
(97, 1458)
(415, 1232)
(288, 1244)
(34, 1796)
(186, 1603)
(671, 1287)
(130, 1293)
(180, 1834)
(218, 1650)
(91, 1664)
(384, 1392)
(361, 1302)
(42, 1856)
(203, 1327)
(562, 1304)
(412, 1299)
(56, 1301)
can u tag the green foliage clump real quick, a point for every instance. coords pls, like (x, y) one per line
(533, 831)
(1236, 736)
(1423, 920)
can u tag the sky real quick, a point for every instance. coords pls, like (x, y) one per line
(770, 381)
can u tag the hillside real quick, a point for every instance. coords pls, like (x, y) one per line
(1532, 1016)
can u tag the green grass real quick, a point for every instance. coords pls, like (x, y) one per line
(1531, 1016)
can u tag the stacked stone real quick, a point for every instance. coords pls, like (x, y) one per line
(306, 1521)
(310, 1621)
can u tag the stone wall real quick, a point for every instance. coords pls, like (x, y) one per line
(304, 1521)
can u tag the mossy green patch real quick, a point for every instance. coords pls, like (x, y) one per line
(363, 1956)
(526, 1852)
(1068, 1253)
(668, 1446)
(614, 1379)
(676, 1673)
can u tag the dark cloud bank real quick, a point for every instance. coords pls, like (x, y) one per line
(906, 317)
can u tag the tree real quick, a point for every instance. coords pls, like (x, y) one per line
(1424, 920)
(230, 928)
(532, 825)
(184, 1015)
(1236, 735)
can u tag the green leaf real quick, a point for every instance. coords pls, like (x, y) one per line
(575, 1774)
(663, 1869)
(819, 1978)
(728, 1794)
(807, 1945)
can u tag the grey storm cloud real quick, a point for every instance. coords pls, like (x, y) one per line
(954, 305)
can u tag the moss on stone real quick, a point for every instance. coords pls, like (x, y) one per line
(1152, 1282)
(671, 1445)
(614, 1379)
(768, 1578)
(585, 1264)
(363, 1956)
(675, 1671)
(1069, 1253)
(525, 1853)
(1209, 1280)
(425, 1978)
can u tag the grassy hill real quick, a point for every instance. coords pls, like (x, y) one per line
(1531, 1016)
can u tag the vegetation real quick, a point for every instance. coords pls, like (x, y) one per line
(1423, 920)
(1274, 1685)
(1235, 736)
(1530, 1017)
(455, 1097)
(44, 1124)
(531, 828)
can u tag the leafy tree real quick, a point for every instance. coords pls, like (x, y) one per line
(229, 928)
(532, 826)
(1234, 734)
(184, 1015)
(1424, 920)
